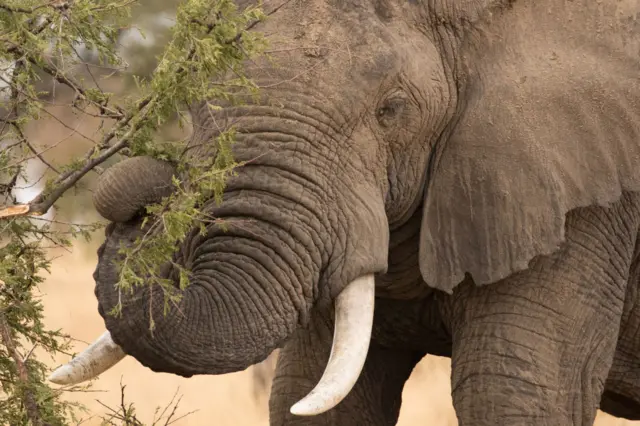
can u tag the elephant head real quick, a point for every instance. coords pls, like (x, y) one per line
(337, 149)
(376, 112)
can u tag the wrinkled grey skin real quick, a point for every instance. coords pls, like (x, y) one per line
(621, 397)
(480, 157)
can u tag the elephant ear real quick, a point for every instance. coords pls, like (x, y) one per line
(545, 130)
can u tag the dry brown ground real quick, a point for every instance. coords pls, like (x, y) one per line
(70, 304)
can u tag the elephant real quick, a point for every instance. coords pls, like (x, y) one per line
(457, 177)
(621, 396)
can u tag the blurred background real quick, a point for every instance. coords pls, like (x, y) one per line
(68, 291)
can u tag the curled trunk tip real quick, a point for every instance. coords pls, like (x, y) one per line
(125, 188)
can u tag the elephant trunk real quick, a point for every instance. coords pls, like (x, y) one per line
(353, 324)
(252, 282)
(247, 293)
(128, 186)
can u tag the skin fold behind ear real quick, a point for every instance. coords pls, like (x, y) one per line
(550, 121)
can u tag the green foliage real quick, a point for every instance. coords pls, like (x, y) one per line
(40, 41)
(210, 40)
(23, 376)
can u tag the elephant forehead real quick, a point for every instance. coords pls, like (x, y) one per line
(356, 41)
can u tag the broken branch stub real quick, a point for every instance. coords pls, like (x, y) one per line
(13, 211)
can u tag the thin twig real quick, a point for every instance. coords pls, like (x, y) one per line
(22, 160)
(17, 9)
(14, 9)
(35, 152)
(43, 202)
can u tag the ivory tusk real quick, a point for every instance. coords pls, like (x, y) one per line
(351, 337)
(100, 356)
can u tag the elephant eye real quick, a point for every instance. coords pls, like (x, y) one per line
(391, 109)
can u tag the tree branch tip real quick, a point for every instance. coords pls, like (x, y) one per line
(12, 211)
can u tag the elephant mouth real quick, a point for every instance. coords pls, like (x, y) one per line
(354, 308)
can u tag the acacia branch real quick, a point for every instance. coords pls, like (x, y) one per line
(30, 402)
(103, 151)
(43, 202)
(14, 9)
(94, 157)
(33, 150)
(77, 88)
(61, 78)
(5, 189)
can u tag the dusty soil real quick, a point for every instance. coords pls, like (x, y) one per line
(70, 304)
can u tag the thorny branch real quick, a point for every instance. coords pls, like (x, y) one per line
(7, 188)
(35, 152)
(31, 405)
(30, 401)
(60, 77)
(104, 149)
(197, 52)
(16, 9)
